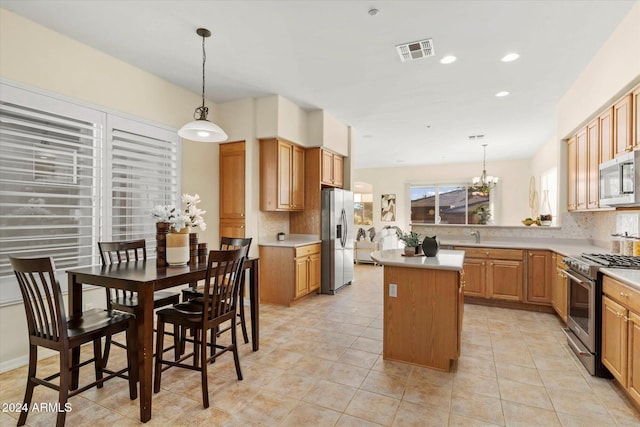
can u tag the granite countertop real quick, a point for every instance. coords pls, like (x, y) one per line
(445, 260)
(290, 240)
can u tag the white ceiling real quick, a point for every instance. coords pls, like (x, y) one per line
(333, 55)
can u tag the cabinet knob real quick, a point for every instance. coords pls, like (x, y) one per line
(242, 214)
(623, 295)
(242, 226)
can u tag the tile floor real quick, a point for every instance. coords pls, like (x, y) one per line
(319, 364)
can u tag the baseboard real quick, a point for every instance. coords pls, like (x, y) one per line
(21, 361)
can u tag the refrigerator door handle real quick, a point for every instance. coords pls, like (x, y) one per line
(343, 220)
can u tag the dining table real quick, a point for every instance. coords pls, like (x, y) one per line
(145, 277)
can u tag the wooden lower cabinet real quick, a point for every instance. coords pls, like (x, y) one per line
(493, 273)
(291, 273)
(475, 273)
(621, 335)
(559, 287)
(539, 275)
(423, 322)
(505, 280)
(232, 228)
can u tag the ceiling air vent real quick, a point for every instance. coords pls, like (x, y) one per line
(416, 50)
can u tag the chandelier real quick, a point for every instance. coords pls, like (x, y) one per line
(201, 129)
(484, 183)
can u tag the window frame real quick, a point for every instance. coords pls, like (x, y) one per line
(436, 187)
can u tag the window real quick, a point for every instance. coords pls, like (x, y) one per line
(449, 204)
(72, 175)
(363, 208)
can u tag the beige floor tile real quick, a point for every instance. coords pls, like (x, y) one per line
(433, 395)
(347, 420)
(410, 414)
(362, 359)
(525, 394)
(519, 415)
(367, 344)
(474, 365)
(479, 351)
(568, 380)
(265, 409)
(514, 357)
(391, 367)
(586, 420)
(373, 407)
(385, 383)
(477, 406)
(346, 374)
(420, 375)
(456, 420)
(330, 395)
(519, 374)
(305, 414)
(290, 384)
(578, 404)
(473, 383)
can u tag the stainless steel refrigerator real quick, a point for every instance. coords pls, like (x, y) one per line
(337, 239)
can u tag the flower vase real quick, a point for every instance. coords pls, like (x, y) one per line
(409, 250)
(177, 249)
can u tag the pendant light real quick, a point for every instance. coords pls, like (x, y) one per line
(201, 129)
(484, 183)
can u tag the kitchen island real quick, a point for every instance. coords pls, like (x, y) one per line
(423, 307)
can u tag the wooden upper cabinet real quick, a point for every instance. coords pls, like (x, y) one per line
(622, 125)
(593, 164)
(332, 169)
(636, 118)
(581, 180)
(606, 135)
(572, 172)
(232, 180)
(281, 176)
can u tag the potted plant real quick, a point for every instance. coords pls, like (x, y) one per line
(411, 242)
(483, 214)
(281, 235)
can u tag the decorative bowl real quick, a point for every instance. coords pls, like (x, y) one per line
(528, 222)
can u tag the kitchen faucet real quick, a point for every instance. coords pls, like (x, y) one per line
(476, 233)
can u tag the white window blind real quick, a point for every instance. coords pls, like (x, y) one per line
(71, 176)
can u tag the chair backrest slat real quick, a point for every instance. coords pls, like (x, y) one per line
(42, 297)
(222, 282)
(119, 252)
(228, 243)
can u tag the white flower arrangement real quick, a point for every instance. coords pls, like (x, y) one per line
(191, 217)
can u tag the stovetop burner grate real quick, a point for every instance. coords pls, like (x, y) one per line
(615, 261)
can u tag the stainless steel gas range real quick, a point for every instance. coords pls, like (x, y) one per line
(584, 305)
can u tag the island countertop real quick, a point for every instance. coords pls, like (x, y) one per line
(444, 260)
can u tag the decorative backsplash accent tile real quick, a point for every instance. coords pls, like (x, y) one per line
(271, 223)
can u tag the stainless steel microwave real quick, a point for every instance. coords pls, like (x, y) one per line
(618, 180)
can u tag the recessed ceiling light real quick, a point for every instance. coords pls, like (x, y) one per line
(448, 59)
(373, 11)
(502, 94)
(510, 57)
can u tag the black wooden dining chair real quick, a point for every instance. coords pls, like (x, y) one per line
(127, 301)
(227, 243)
(49, 327)
(216, 306)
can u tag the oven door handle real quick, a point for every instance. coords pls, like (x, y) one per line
(574, 278)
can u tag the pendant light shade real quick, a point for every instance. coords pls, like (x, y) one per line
(201, 129)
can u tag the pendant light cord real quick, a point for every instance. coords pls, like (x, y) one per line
(202, 112)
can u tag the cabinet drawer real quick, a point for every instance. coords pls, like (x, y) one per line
(621, 293)
(307, 250)
(559, 263)
(492, 253)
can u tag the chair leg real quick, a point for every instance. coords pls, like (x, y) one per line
(107, 350)
(234, 349)
(177, 341)
(65, 385)
(214, 337)
(203, 369)
(132, 362)
(196, 346)
(99, 364)
(243, 323)
(159, 346)
(28, 394)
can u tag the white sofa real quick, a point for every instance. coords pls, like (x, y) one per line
(383, 239)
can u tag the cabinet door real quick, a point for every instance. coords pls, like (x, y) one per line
(539, 276)
(622, 122)
(327, 167)
(505, 280)
(461, 287)
(302, 276)
(338, 170)
(581, 178)
(614, 339)
(297, 178)
(559, 294)
(232, 228)
(475, 276)
(606, 135)
(314, 272)
(593, 163)
(634, 357)
(572, 174)
(232, 180)
(285, 156)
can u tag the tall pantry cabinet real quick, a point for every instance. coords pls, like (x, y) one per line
(232, 189)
